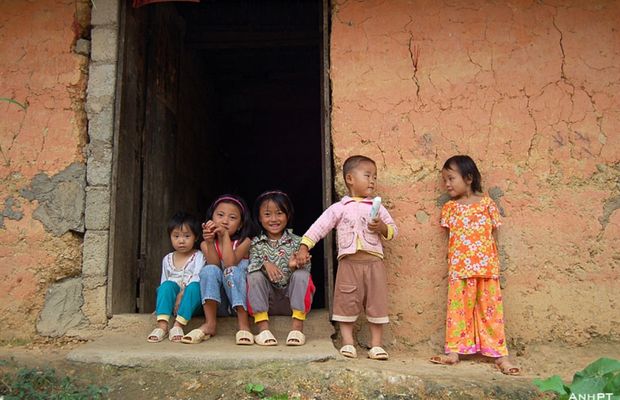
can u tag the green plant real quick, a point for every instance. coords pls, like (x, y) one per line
(13, 101)
(601, 378)
(36, 384)
(259, 391)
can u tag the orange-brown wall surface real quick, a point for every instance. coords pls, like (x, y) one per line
(529, 90)
(41, 154)
(532, 92)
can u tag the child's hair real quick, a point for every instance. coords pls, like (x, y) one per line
(466, 167)
(246, 229)
(282, 201)
(352, 162)
(182, 218)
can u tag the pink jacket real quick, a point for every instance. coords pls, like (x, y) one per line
(351, 221)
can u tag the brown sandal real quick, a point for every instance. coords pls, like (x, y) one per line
(506, 367)
(445, 359)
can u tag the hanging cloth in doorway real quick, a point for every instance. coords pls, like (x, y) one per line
(140, 3)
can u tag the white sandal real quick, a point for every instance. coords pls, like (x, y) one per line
(265, 338)
(348, 351)
(156, 336)
(296, 338)
(176, 332)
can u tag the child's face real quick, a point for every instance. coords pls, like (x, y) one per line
(361, 180)
(272, 219)
(182, 239)
(456, 186)
(227, 215)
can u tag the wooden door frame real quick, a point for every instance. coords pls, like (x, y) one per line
(326, 147)
(326, 144)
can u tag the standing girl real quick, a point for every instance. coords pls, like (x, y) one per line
(225, 247)
(277, 284)
(475, 318)
(179, 291)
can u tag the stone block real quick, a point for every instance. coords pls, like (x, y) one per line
(101, 125)
(97, 214)
(61, 199)
(104, 12)
(101, 87)
(82, 46)
(95, 254)
(61, 311)
(99, 163)
(104, 44)
(94, 307)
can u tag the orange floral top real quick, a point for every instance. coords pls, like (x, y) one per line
(472, 251)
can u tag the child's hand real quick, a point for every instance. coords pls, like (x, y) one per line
(273, 272)
(376, 225)
(208, 233)
(302, 256)
(292, 262)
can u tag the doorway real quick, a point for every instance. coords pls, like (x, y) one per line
(221, 96)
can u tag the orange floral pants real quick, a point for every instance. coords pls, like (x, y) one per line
(475, 320)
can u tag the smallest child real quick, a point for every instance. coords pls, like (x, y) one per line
(179, 291)
(361, 279)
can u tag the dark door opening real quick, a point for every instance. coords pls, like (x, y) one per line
(216, 97)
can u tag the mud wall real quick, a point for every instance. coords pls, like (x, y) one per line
(42, 169)
(530, 91)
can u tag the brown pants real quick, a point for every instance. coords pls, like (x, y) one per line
(361, 285)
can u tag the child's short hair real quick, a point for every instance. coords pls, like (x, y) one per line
(247, 228)
(182, 218)
(283, 202)
(467, 168)
(352, 162)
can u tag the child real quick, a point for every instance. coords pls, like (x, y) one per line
(225, 247)
(475, 319)
(179, 291)
(277, 284)
(361, 280)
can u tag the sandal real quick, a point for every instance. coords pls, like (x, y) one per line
(195, 336)
(348, 351)
(377, 353)
(244, 338)
(445, 359)
(156, 336)
(506, 367)
(265, 338)
(176, 334)
(296, 338)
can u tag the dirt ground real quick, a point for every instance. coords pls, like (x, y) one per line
(407, 375)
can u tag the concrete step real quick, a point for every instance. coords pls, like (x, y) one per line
(123, 343)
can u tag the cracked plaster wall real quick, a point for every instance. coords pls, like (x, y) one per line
(531, 91)
(41, 154)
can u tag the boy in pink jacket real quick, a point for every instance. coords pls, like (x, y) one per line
(361, 280)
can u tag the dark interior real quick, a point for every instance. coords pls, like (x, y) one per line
(232, 104)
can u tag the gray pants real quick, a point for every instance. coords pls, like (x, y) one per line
(264, 297)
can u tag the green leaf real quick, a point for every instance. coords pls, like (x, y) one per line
(553, 384)
(613, 383)
(598, 368)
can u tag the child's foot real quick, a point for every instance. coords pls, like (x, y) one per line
(176, 334)
(296, 338)
(377, 353)
(507, 367)
(244, 337)
(348, 351)
(445, 359)
(157, 335)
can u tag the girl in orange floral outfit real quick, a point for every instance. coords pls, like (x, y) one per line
(475, 318)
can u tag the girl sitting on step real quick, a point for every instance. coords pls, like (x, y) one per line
(277, 284)
(179, 291)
